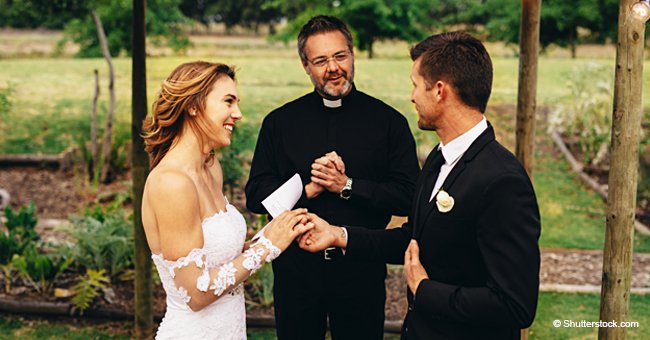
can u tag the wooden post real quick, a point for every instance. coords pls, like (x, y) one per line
(527, 91)
(139, 170)
(526, 97)
(94, 147)
(108, 133)
(623, 173)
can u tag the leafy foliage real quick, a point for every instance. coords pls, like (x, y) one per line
(587, 112)
(164, 20)
(369, 20)
(51, 14)
(259, 290)
(237, 156)
(18, 232)
(374, 20)
(40, 270)
(5, 103)
(15, 236)
(88, 287)
(247, 13)
(101, 240)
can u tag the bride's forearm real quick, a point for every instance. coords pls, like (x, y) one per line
(219, 281)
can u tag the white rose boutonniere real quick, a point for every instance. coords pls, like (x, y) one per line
(444, 202)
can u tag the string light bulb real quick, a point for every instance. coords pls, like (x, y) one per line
(641, 10)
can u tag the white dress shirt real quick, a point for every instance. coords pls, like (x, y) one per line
(454, 150)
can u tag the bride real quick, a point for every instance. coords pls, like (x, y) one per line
(195, 235)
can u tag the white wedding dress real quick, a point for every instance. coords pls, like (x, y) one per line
(224, 235)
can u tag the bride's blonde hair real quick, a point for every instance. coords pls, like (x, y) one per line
(185, 89)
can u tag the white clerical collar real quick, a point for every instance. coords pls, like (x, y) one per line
(457, 147)
(332, 103)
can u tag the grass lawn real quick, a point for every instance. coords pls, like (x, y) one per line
(577, 307)
(16, 327)
(573, 216)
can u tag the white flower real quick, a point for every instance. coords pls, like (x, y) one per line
(182, 292)
(203, 281)
(444, 202)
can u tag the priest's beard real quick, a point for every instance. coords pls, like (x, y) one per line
(331, 92)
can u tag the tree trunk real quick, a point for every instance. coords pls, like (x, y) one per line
(108, 133)
(527, 91)
(94, 147)
(139, 170)
(622, 183)
(370, 51)
(573, 42)
(526, 98)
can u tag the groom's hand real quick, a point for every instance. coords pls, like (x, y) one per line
(413, 269)
(322, 236)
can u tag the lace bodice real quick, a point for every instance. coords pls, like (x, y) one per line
(224, 235)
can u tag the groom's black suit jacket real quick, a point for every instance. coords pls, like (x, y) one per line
(482, 257)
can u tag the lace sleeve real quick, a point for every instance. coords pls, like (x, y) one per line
(193, 277)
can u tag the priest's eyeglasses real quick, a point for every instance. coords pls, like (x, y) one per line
(339, 58)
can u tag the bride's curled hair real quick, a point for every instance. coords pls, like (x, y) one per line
(185, 89)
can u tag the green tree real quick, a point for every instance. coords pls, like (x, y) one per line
(374, 20)
(163, 24)
(369, 20)
(560, 21)
(52, 14)
(246, 13)
(196, 10)
(559, 25)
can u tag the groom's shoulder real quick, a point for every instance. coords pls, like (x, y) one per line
(496, 160)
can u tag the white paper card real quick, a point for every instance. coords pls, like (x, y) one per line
(284, 197)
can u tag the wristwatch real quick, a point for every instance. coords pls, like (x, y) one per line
(347, 190)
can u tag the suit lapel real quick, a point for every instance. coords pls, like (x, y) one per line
(424, 181)
(484, 139)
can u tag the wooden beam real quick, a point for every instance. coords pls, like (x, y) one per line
(623, 173)
(527, 91)
(144, 328)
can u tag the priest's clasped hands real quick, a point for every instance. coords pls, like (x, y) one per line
(327, 173)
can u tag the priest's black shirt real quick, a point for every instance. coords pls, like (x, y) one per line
(372, 138)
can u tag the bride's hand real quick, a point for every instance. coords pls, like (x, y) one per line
(287, 226)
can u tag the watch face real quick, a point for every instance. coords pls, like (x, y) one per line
(346, 193)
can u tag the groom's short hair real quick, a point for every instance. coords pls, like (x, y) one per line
(322, 24)
(460, 60)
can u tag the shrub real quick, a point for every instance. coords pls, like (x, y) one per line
(101, 240)
(259, 290)
(164, 20)
(40, 270)
(15, 236)
(586, 114)
(236, 158)
(18, 232)
(88, 287)
(5, 104)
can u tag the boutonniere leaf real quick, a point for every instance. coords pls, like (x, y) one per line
(444, 202)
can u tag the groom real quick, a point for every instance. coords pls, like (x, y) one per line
(470, 248)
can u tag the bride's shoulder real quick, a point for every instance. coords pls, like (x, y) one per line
(169, 182)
